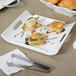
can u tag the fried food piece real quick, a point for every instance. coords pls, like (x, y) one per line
(60, 4)
(36, 42)
(56, 27)
(36, 18)
(31, 24)
(32, 30)
(38, 25)
(53, 1)
(36, 35)
(36, 39)
(70, 4)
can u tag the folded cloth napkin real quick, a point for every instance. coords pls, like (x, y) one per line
(7, 57)
(74, 44)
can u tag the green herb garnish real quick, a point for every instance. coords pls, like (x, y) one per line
(30, 18)
(50, 38)
(17, 34)
(45, 28)
(63, 30)
(33, 26)
(26, 41)
(47, 25)
(40, 29)
(22, 33)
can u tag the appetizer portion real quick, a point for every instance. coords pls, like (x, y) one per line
(70, 4)
(56, 26)
(35, 39)
(31, 24)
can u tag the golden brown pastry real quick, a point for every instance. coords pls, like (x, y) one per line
(70, 4)
(31, 24)
(56, 27)
(36, 42)
(53, 1)
(36, 35)
(36, 39)
(60, 4)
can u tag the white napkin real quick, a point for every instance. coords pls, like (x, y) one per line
(7, 57)
(74, 44)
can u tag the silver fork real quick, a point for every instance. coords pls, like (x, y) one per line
(16, 65)
(35, 66)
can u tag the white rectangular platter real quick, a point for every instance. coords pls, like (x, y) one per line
(50, 48)
(61, 10)
(3, 3)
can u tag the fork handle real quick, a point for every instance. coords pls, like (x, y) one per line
(40, 68)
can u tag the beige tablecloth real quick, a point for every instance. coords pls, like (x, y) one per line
(64, 63)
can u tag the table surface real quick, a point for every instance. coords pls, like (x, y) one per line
(62, 64)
